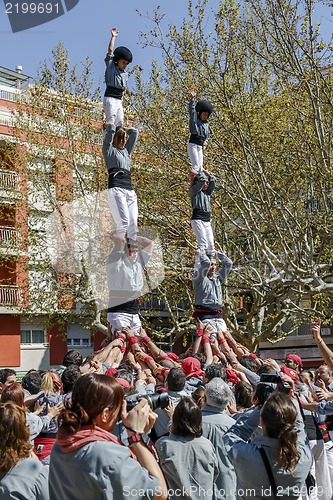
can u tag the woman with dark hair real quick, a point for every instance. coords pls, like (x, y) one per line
(21, 474)
(188, 460)
(88, 462)
(243, 395)
(199, 397)
(283, 443)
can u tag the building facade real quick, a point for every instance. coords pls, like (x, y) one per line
(26, 338)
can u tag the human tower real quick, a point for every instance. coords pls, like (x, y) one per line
(126, 262)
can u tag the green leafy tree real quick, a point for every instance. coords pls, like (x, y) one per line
(261, 65)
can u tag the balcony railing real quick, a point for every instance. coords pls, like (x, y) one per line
(9, 180)
(9, 236)
(9, 95)
(6, 120)
(10, 295)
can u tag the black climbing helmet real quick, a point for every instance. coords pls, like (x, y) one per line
(203, 105)
(122, 53)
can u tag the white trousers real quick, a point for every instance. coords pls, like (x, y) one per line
(118, 321)
(217, 323)
(204, 235)
(195, 153)
(123, 204)
(329, 454)
(114, 112)
(320, 471)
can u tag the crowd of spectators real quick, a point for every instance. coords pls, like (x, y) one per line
(133, 421)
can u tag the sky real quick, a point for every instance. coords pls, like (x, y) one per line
(85, 32)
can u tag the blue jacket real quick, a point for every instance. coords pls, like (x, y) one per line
(251, 473)
(215, 423)
(200, 200)
(114, 76)
(199, 129)
(98, 471)
(28, 480)
(207, 290)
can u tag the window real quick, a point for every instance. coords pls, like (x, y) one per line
(77, 337)
(32, 337)
(76, 342)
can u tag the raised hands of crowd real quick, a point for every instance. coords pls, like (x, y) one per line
(222, 348)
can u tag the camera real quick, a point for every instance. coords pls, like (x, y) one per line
(271, 378)
(156, 400)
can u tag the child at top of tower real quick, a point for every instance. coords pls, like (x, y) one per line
(116, 78)
(199, 114)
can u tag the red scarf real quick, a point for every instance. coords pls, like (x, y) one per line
(87, 434)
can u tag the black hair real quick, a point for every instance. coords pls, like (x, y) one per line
(5, 373)
(72, 358)
(261, 393)
(32, 381)
(69, 377)
(122, 53)
(215, 370)
(203, 105)
(187, 419)
(176, 379)
(243, 394)
(249, 363)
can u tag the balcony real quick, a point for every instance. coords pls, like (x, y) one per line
(9, 180)
(12, 95)
(9, 185)
(10, 295)
(6, 120)
(10, 238)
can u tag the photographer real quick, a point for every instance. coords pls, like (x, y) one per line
(88, 461)
(283, 446)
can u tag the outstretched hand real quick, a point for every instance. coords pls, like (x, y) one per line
(192, 93)
(315, 329)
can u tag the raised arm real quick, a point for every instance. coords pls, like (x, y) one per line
(201, 268)
(132, 138)
(107, 141)
(192, 112)
(206, 346)
(114, 34)
(212, 183)
(226, 266)
(198, 184)
(324, 350)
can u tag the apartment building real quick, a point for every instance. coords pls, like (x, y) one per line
(26, 338)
